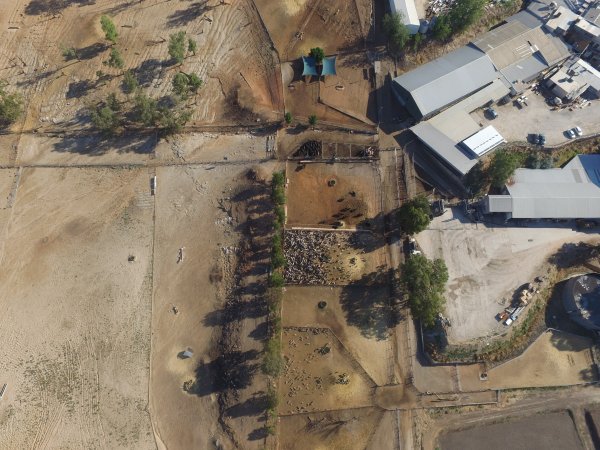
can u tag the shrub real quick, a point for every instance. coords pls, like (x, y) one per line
(277, 280)
(115, 59)
(273, 361)
(130, 82)
(318, 53)
(396, 32)
(109, 28)
(288, 117)
(177, 46)
(11, 105)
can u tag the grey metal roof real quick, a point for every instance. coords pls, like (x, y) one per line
(593, 15)
(444, 147)
(525, 70)
(447, 79)
(526, 18)
(570, 192)
(500, 35)
(498, 203)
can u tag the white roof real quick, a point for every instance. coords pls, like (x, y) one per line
(562, 19)
(409, 14)
(483, 141)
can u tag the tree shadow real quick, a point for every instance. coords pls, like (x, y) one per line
(147, 71)
(192, 12)
(91, 51)
(232, 370)
(97, 144)
(572, 254)
(38, 7)
(254, 406)
(258, 434)
(370, 306)
(78, 89)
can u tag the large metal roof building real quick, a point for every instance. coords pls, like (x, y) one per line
(572, 192)
(444, 81)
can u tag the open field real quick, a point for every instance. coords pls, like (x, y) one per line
(333, 25)
(357, 315)
(487, 263)
(57, 91)
(75, 322)
(311, 375)
(321, 194)
(543, 431)
(554, 359)
(340, 430)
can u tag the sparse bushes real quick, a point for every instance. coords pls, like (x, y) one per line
(11, 106)
(69, 53)
(278, 188)
(273, 361)
(288, 117)
(312, 120)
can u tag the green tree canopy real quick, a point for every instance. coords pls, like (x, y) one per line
(396, 32)
(312, 120)
(130, 82)
(11, 106)
(115, 59)
(424, 282)
(146, 110)
(107, 117)
(288, 117)
(502, 167)
(183, 84)
(476, 180)
(177, 46)
(441, 29)
(109, 28)
(414, 215)
(465, 13)
(192, 46)
(318, 53)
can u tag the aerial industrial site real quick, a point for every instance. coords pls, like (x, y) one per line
(300, 224)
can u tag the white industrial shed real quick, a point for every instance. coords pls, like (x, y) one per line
(483, 141)
(572, 192)
(409, 14)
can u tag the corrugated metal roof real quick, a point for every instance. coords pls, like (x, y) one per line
(498, 204)
(444, 147)
(526, 18)
(445, 80)
(525, 70)
(571, 192)
(500, 35)
(483, 141)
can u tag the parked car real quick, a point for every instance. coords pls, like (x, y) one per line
(571, 134)
(578, 131)
(533, 138)
(541, 140)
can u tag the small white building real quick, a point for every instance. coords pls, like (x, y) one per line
(408, 10)
(484, 141)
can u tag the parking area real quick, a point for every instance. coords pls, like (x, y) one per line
(487, 263)
(515, 123)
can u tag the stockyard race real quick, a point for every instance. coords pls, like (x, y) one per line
(244, 224)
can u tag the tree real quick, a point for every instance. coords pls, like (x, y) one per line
(416, 42)
(146, 110)
(476, 180)
(396, 32)
(502, 166)
(318, 54)
(465, 13)
(192, 46)
(288, 117)
(109, 28)
(106, 117)
(69, 53)
(312, 120)
(414, 215)
(177, 46)
(115, 59)
(173, 120)
(441, 29)
(183, 84)
(11, 106)
(130, 82)
(424, 281)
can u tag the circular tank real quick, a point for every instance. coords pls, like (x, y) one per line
(581, 299)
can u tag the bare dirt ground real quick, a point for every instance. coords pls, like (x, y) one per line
(351, 428)
(310, 378)
(554, 359)
(57, 92)
(333, 25)
(554, 430)
(322, 194)
(75, 322)
(486, 264)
